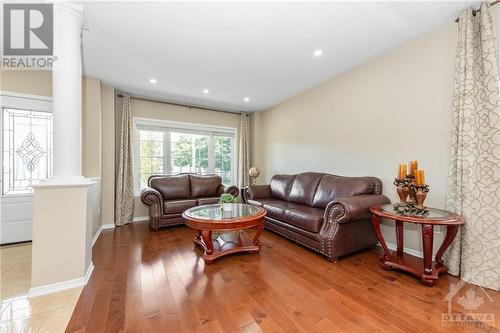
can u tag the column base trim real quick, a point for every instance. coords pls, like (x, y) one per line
(64, 285)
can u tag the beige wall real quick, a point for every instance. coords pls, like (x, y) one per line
(256, 142)
(27, 82)
(91, 134)
(163, 111)
(392, 109)
(108, 154)
(91, 137)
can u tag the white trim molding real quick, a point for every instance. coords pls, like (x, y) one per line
(140, 218)
(16, 100)
(64, 285)
(101, 228)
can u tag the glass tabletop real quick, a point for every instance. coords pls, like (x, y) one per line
(433, 213)
(214, 212)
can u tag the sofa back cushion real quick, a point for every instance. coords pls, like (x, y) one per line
(304, 187)
(280, 186)
(205, 186)
(171, 187)
(332, 187)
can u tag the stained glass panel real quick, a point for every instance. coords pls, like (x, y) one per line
(27, 149)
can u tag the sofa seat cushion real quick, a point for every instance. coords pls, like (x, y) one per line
(255, 202)
(208, 201)
(177, 206)
(275, 208)
(305, 218)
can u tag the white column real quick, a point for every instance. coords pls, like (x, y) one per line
(67, 91)
(65, 206)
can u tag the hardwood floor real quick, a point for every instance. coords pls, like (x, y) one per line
(147, 281)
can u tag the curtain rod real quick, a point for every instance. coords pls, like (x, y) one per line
(179, 104)
(478, 10)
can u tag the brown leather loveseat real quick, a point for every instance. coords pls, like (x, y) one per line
(329, 214)
(169, 196)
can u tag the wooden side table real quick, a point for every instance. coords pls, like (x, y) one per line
(427, 270)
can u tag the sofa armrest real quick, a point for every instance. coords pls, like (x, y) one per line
(255, 192)
(233, 190)
(355, 208)
(151, 197)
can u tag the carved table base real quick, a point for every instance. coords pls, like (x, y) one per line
(217, 244)
(424, 268)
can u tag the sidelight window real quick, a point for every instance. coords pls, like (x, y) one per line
(27, 149)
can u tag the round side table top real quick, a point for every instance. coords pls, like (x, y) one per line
(434, 216)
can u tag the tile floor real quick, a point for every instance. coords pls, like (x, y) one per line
(18, 313)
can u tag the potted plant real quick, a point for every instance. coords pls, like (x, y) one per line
(226, 200)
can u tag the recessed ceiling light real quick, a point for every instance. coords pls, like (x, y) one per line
(246, 99)
(318, 53)
(153, 81)
(206, 91)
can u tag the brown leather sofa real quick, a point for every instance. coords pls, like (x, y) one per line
(169, 196)
(329, 214)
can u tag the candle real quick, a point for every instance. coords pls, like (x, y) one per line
(413, 167)
(402, 171)
(419, 177)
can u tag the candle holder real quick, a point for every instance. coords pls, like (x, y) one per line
(412, 193)
(420, 194)
(410, 209)
(403, 189)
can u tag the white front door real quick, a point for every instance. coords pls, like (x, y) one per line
(25, 159)
(16, 214)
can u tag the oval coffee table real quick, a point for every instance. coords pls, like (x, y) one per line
(427, 270)
(219, 233)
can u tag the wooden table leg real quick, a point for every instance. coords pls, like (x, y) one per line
(387, 253)
(427, 240)
(451, 232)
(207, 239)
(260, 228)
(197, 236)
(399, 235)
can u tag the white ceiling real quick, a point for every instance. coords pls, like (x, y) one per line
(263, 50)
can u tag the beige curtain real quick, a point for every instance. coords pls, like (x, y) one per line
(244, 151)
(474, 177)
(124, 183)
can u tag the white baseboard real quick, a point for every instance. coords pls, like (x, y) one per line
(413, 252)
(64, 285)
(88, 273)
(101, 228)
(140, 218)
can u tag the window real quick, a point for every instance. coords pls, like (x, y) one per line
(151, 154)
(173, 148)
(27, 149)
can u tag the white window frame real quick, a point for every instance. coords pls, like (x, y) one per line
(173, 126)
(14, 100)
